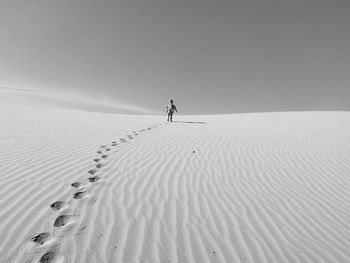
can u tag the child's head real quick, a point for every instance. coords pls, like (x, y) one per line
(171, 101)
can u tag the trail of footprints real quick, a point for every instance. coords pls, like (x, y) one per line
(63, 219)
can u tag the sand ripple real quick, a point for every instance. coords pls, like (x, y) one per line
(237, 188)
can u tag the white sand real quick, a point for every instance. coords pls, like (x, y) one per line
(264, 187)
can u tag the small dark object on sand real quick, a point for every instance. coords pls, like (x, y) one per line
(78, 195)
(41, 238)
(92, 172)
(57, 205)
(94, 179)
(76, 184)
(47, 257)
(61, 221)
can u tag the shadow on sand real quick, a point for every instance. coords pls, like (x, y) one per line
(195, 122)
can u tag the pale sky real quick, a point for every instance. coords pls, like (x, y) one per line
(221, 56)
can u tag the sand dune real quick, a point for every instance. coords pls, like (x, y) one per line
(91, 187)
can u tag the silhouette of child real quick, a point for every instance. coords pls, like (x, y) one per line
(170, 108)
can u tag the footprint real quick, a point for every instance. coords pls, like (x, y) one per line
(62, 220)
(94, 179)
(92, 172)
(76, 184)
(57, 205)
(79, 195)
(97, 160)
(47, 257)
(99, 152)
(103, 146)
(99, 165)
(41, 238)
(104, 156)
(108, 150)
(114, 144)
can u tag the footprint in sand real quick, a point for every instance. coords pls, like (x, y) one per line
(98, 166)
(41, 238)
(92, 172)
(114, 144)
(97, 160)
(62, 220)
(79, 195)
(104, 156)
(76, 184)
(94, 179)
(107, 150)
(99, 152)
(48, 257)
(103, 146)
(57, 205)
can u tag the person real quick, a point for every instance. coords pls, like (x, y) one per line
(170, 110)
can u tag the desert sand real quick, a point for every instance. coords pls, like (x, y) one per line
(82, 186)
